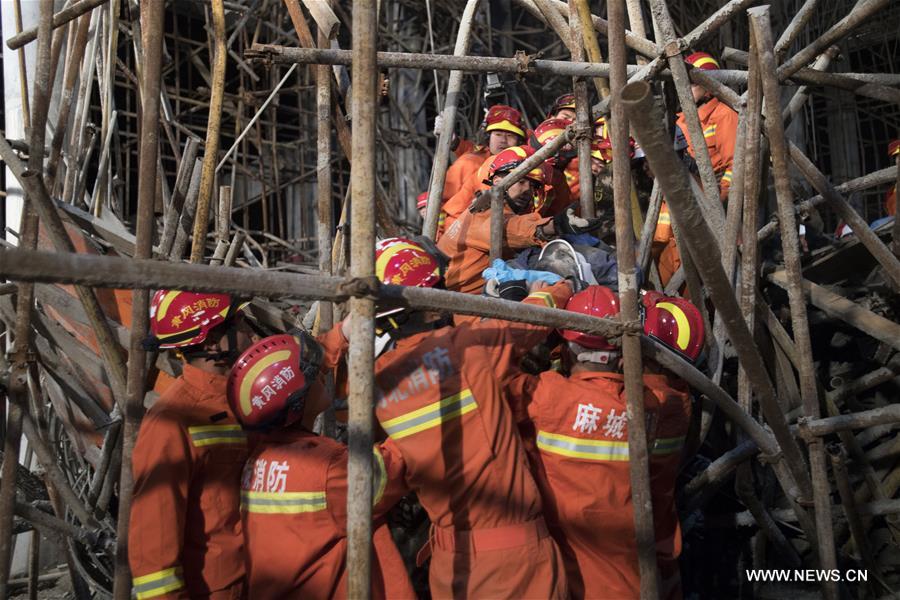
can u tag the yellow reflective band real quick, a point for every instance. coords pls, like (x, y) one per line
(546, 297)
(572, 447)
(709, 131)
(379, 477)
(668, 445)
(684, 327)
(431, 415)
(208, 435)
(726, 176)
(157, 584)
(164, 305)
(664, 219)
(251, 375)
(270, 503)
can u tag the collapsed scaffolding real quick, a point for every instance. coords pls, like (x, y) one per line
(708, 235)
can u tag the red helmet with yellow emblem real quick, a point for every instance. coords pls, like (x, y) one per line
(400, 261)
(594, 301)
(179, 319)
(501, 117)
(676, 323)
(268, 383)
(894, 148)
(548, 131)
(602, 148)
(702, 60)
(511, 158)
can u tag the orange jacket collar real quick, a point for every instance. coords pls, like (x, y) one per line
(203, 380)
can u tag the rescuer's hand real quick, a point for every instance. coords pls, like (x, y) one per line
(568, 222)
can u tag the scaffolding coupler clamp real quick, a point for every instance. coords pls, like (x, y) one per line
(523, 62)
(673, 48)
(361, 287)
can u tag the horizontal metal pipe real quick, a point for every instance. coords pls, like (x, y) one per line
(115, 272)
(520, 64)
(813, 428)
(59, 19)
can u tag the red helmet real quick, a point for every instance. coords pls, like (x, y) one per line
(650, 297)
(501, 117)
(602, 148)
(511, 158)
(601, 129)
(594, 301)
(702, 60)
(677, 324)
(268, 383)
(548, 131)
(563, 102)
(179, 319)
(894, 148)
(400, 261)
(422, 200)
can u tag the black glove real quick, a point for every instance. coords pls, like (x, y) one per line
(567, 222)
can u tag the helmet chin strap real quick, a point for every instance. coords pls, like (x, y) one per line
(228, 355)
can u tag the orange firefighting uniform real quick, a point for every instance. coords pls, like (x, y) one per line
(558, 195)
(664, 249)
(294, 506)
(440, 400)
(581, 436)
(462, 169)
(890, 202)
(185, 537)
(720, 132)
(468, 243)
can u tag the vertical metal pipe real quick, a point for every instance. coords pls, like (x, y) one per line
(848, 502)
(585, 31)
(639, 463)
(152, 22)
(211, 150)
(790, 241)
(663, 20)
(362, 264)
(895, 230)
(325, 203)
(636, 24)
(28, 230)
(648, 125)
(442, 152)
(583, 125)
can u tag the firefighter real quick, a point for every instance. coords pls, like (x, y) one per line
(294, 486)
(185, 536)
(581, 432)
(468, 240)
(557, 195)
(719, 124)
(439, 398)
(503, 126)
(563, 108)
(422, 206)
(677, 324)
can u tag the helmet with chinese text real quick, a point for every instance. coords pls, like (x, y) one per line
(268, 383)
(594, 301)
(401, 261)
(677, 324)
(179, 319)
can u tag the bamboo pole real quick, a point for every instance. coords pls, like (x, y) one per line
(364, 100)
(588, 35)
(211, 149)
(639, 462)
(790, 241)
(152, 29)
(451, 106)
